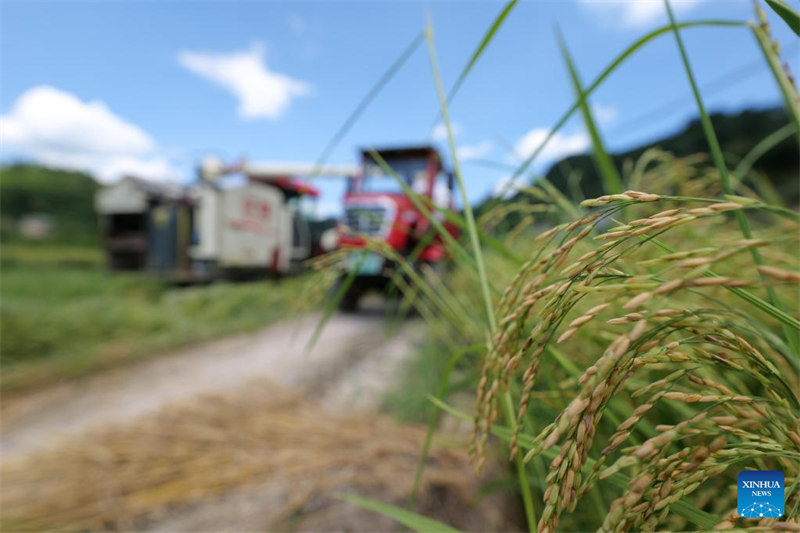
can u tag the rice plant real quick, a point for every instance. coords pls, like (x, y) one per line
(640, 349)
(678, 377)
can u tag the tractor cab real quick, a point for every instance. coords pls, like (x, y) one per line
(418, 167)
(377, 206)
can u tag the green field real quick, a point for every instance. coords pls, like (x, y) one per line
(64, 315)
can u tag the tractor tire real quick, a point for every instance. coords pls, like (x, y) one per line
(349, 301)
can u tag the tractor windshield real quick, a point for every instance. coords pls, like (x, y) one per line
(413, 172)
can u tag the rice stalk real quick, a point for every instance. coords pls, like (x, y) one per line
(706, 355)
(770, 49)
(476, 247)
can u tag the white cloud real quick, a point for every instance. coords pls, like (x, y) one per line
(560, 145)
(56, 128)
(506, 188)
(57, 120)
(439, 131)
(605, 114)
(154, 167)
(475, 151)
(637, 13)
(262, 93)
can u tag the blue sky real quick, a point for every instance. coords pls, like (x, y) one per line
(150, 87)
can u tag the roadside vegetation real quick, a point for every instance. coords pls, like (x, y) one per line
(632, 352)
(64, 314)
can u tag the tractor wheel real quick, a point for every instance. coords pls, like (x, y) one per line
(349, 301)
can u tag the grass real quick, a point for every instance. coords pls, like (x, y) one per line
(30, 254)
(64, 315)
(407, 401)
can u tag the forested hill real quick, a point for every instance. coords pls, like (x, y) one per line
(738, 134)
(65, 196)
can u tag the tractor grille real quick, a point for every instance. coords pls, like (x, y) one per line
(369, 220)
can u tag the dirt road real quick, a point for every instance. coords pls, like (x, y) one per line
(249, 433)
(351, 366)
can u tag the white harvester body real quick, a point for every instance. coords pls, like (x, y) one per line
(215, 228)
(244, 227)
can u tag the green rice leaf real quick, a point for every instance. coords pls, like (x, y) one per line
(612, 184)
(469, 218)
(368, 98)
(621, 58)
(789, 15)
(766, 188)
(332, 305)
(785, 84)
(487, 38)
(434, 420)
(407, 518)
(719, 162)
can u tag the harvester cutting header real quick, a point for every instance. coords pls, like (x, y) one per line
(258, 227)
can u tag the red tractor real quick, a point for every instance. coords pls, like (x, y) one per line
(377, 206)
